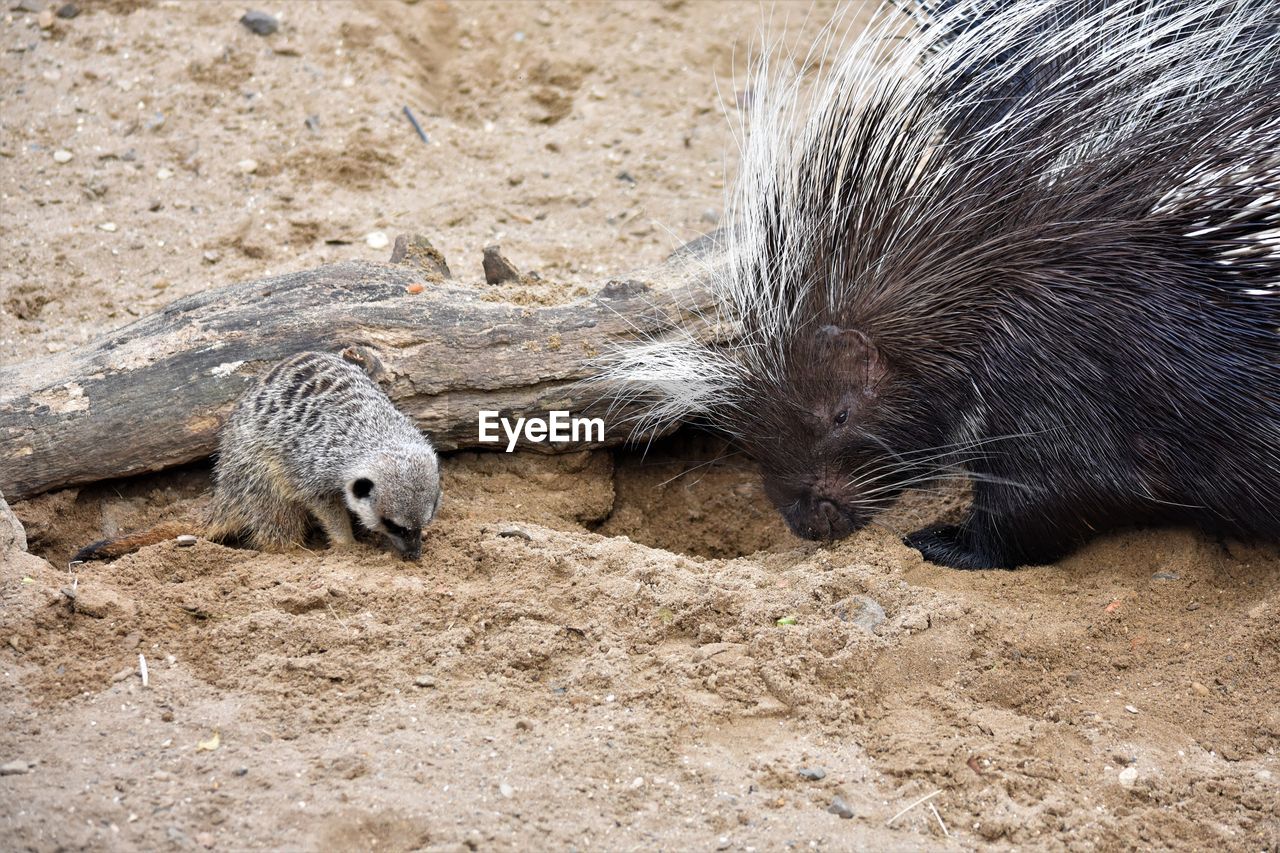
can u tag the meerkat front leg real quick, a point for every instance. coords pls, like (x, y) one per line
(335, 520)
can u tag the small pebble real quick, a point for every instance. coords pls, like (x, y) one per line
(163, 174)
(109, 227)
(1128, 776)
(313, 123)
(260, 23)
(62, 156)
(1165, 576)
(248, 166)
(869, 613)
(813, 774)
(122, 675)
(186, 540)
(1199, 689)
(377, 240)
(841, 808)
(67, 11)
(506, 790)
(424, 681)
(1131, 709)
(15, 768)
(242, 771)
(45, 19)
(32, 6)
(211, 257)
(497, 269)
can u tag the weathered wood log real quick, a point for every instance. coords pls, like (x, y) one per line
(153, 395)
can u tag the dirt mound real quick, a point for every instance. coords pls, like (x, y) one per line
(1095, 700)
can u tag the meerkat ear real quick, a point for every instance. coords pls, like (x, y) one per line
(851, 356)
(361, 488)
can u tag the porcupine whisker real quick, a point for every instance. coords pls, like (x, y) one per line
(697, 467)
(917, 458)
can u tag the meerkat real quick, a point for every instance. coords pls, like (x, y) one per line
(315, 438)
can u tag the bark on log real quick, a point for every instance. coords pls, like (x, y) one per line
(153, 395)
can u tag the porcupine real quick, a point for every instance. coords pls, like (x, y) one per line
(1038, 255)
(315, 438)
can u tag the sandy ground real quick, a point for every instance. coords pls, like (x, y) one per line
(589, 655)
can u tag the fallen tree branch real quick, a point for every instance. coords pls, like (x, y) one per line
(153, 395)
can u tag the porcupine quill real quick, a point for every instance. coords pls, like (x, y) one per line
(1034, 248)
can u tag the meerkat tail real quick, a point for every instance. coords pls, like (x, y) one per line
(118, 546)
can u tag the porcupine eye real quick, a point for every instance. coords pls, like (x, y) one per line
(842, 417)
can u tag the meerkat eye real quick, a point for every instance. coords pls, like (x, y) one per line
(843, 416)
(395, 529)
(362, 488)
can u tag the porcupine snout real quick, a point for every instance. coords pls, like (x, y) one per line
(815, 511)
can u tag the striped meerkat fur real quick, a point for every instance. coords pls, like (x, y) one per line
(314, 439)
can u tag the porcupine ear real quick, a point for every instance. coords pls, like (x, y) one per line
(850, 357)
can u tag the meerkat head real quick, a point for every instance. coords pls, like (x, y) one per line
(396, 492)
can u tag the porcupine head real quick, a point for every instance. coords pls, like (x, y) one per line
(396, 492)
(816, 430)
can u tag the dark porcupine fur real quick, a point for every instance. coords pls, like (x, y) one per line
(1038, 254)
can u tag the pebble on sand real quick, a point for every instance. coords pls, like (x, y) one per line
(247, 166)
(377, 240)
(813, 774)
(260, 22)
(62, 155)
(15, 768)
(840, 808)
(869, 614)
(109, 227)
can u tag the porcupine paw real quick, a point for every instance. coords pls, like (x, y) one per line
(946, 545)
